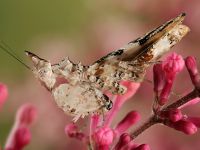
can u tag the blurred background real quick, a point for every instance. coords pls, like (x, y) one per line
(85, 31)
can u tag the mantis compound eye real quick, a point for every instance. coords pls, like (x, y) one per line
(108, 103)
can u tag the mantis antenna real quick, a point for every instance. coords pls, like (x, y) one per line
(10, 52)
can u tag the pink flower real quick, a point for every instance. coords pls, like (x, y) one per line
(101, 135)
(72, 131)
(195, 120)
(185, 126)
(26, 114)
(20, 135)
(130, 119)
(142, 147)
(123, 140)
(173, 115)
(158, 77)
(121, 99)
(125, 143)
(3, 94)
(23, 138)
(191, 65)
(104, 138)
(171, 66)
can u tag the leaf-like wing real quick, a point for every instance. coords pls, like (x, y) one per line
(140, 46)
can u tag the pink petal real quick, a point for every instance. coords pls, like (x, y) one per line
(159, 77)
(185, 126)
(171, 66)
(172, 115)
(165, 93)
(3, 94)
(20, 138)
(120, 100)
(130, 119)
(104, 136)
(191, 65)
(72, 131)
(23, 137)
(26, 114)
(123, 140)
(174, 63)
(142, 147)
(103, 147)
(20, 134)
(195, 120)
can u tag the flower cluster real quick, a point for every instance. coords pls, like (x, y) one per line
(164, 76)
(20, 134)
(103, 136)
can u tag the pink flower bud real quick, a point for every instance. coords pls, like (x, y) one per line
(158, 77)
(20, 134)
(130, 146)
(104, 136)
(123, 140)
(142, 147)
(23, 137)
(195, 120)
(191, 65)
(165, 93)
(173, 64)
(26, 114)
(172, 114)
(72, 131)
(121, 99)
(20, 138)
(130, 119)
(102, 147)
(185, 126)
(3, 94)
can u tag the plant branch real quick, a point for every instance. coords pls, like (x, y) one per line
(194, 94)
(151, 121)
(154, 119)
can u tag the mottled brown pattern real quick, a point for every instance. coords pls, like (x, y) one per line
(148, 57)
(99, 72)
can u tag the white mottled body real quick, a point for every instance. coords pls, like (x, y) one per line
(82, 93)
(74, 99)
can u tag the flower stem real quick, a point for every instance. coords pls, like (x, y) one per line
(154, 119)
(195, 93)
(143, 127)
